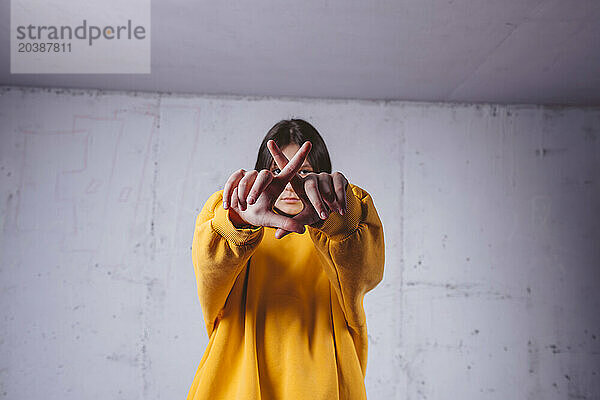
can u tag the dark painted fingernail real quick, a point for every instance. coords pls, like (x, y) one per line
(323, 215)
(250, 200)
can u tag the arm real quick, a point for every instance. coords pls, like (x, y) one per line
(220, 252)
(351, 248)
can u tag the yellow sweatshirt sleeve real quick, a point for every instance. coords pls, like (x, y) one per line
(351, 247)
(219, 253)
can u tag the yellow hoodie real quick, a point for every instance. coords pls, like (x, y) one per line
(285, 317)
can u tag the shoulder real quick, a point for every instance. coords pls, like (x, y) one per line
(357, 191)
(210, 205)
(215, 197)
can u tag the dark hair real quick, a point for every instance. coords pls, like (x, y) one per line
(295, 131)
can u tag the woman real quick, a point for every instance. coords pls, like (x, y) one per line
(280, 285)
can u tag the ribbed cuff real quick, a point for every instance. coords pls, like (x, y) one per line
(338, 227)
(224, 227)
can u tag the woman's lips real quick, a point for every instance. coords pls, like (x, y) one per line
(290, 199)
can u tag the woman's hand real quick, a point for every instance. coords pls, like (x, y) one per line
(263, 188)
(320, 193)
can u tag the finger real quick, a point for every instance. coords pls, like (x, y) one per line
(297, 183)
(305, 217)
(339, 184)
(234, 200)
(311, 187)
(230, 184)
(279, 221)
(262, 181)
(244, 187)
(280, 233)
(291, 167)
(282, 161)
(326, 190)
(278, 156)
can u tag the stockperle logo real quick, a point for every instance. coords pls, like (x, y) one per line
(63, 36)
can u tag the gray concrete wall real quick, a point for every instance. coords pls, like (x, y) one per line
(490, 215)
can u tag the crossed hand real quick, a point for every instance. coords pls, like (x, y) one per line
(252, 195)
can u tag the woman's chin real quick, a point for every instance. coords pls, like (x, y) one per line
(287, 211)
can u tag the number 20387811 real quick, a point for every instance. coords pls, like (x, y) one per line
(45, 47)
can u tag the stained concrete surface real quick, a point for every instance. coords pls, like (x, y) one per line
(490, 216)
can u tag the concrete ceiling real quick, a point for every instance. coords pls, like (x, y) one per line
(508, 51)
